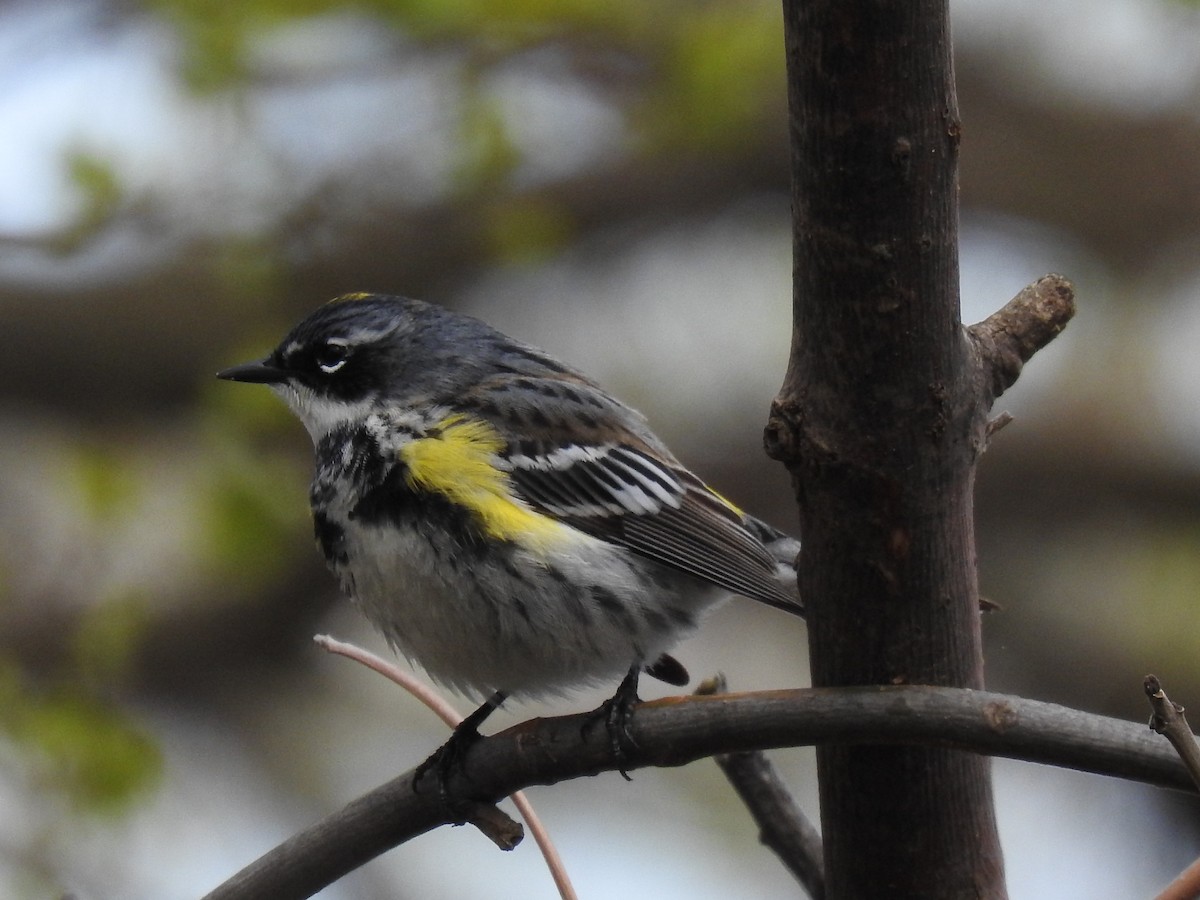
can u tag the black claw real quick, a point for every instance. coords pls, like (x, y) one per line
(616, 712)
(451, 755)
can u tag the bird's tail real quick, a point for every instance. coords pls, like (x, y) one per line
(784, 549)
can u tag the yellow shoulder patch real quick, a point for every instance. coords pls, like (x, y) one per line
(347, 298)
(457, 460)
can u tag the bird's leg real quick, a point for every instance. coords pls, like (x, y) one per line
(452, 753)
(616, 711)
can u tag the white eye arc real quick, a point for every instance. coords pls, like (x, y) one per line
(332, 356)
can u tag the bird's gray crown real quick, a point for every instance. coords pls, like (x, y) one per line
(385, 347)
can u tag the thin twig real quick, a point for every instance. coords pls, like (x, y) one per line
(782, 825)
(496, 825)
(994, 425)
(1168, 720)
(1186, 885)
(489, 819)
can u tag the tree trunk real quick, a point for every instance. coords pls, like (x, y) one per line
(881, 421)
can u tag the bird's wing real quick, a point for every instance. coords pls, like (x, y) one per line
(613, 480)
(622, 495)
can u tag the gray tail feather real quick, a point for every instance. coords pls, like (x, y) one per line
(783, 548)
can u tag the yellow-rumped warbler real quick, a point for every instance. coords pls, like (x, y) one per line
(504, 521)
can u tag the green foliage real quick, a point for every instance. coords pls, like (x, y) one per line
(248, 267)
(514, 23)
(718, 64)
(525, 230)
(107, 637)
(251, 520)
(698, 74)
(89, 752)
(237, 414)
(218, 33)
(252, 506)
(722, 75)
(101, 192)
(96, 178)
(215, 33)
(487, 153)
(107, 481)
(74, 742)
(243, 518)
(1164, 571)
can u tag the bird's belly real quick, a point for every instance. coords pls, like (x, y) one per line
(501, 618)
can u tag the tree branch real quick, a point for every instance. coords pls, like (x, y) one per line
(782, 825)
(676, 731)
(1168, 720)
(1008, 338)
(1185, 886)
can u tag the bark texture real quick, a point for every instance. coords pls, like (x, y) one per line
(881, 420)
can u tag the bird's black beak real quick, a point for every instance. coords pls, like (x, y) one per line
(261, 372)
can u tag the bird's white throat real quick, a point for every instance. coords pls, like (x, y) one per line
(321, 414)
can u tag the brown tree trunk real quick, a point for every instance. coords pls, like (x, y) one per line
(880, 421)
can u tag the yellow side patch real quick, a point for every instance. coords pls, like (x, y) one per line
(455, 460)
(725, 500)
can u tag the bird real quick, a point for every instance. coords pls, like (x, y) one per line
(503, 520)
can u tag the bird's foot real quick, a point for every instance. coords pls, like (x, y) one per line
(450, 757)
(616, 712)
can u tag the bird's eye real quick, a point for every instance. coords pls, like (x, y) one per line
(331, 356)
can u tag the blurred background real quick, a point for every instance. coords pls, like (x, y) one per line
(180, 180)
